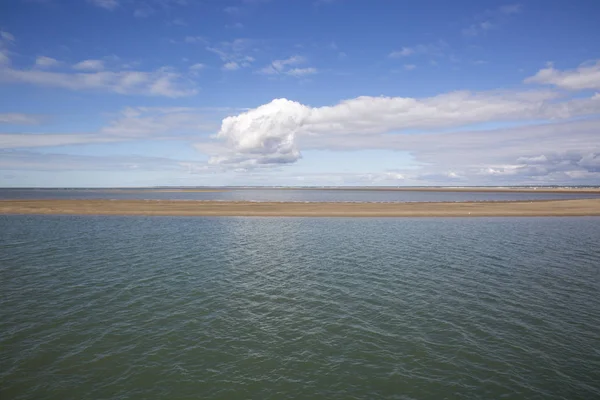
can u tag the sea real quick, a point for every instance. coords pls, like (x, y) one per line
(291, 195)
(111, 307)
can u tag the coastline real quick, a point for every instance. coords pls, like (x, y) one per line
(537, 208)
(216, 189)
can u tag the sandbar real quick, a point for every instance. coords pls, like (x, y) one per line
(578, 207)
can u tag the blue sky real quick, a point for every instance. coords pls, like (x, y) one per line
(293, 92)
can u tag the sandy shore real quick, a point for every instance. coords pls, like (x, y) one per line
(367, 188)
(579, 207)
(471, 189)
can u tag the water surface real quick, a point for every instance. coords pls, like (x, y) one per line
(284, 195)
(272, 308)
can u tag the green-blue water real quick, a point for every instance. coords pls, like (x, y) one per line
(273, 308)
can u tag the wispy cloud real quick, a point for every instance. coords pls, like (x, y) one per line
(195, 39)
(491, 19)
(6, 37)
(177, 22)
(20, 119)
(232, 10)
(143, 10)
(478, 28)
(300, 72)
(89, 65)
(46, 62)
(586, 76)
(236, 25)
(404, 52)
(284, 67)
(132, 123)
(231, 66)
(511, 9)
(234, 54)
(106, 4)
(431, 49)
(160, 82)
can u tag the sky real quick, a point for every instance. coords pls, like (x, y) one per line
(127, 93)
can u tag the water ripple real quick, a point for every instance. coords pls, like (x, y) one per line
(270, 308)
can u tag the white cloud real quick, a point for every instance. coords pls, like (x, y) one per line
(231, 66)
(265, 135)
(431, 49)
(511, 9)
(6, 39)
(556, 152)
(299, 72)
(143, 11)
(19, 140)
(29, 160)
(178, 22)
(161, 82)
(232, 10)
(194, 39)
(404, 52)
(278, 66)
(132, 123)
(197, 67)
(6, 36)
(237, 25)
(491, 19)
(89, 65)
(409, 67)
(478, 28)
(46, 62)
(173, 121)
(20, 119)
(106, 4)
(581, 78)
(282, 67)
(281, 122)
(4, 59)
(234, 54)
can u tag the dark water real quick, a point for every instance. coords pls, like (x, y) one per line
(274, 308)
(288, 195)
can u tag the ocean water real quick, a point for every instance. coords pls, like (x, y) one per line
(313, 195)
(274, 308)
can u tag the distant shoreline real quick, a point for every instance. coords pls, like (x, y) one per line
(485, 189)
(577, 207)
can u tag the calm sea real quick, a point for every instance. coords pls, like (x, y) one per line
(287, 195)
(275, 308)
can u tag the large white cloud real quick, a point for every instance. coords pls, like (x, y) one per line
(265, 135)
(442, 133)
(271, 131)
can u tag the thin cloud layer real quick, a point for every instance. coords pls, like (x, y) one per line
(584, 77)
(161, 82)
(93, 76)
(19, 119)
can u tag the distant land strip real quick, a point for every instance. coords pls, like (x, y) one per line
(578, 207)
(487, 189)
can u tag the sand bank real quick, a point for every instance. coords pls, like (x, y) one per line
(579, 207)
(485, 189)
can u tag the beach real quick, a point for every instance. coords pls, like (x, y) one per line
(577, 207)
